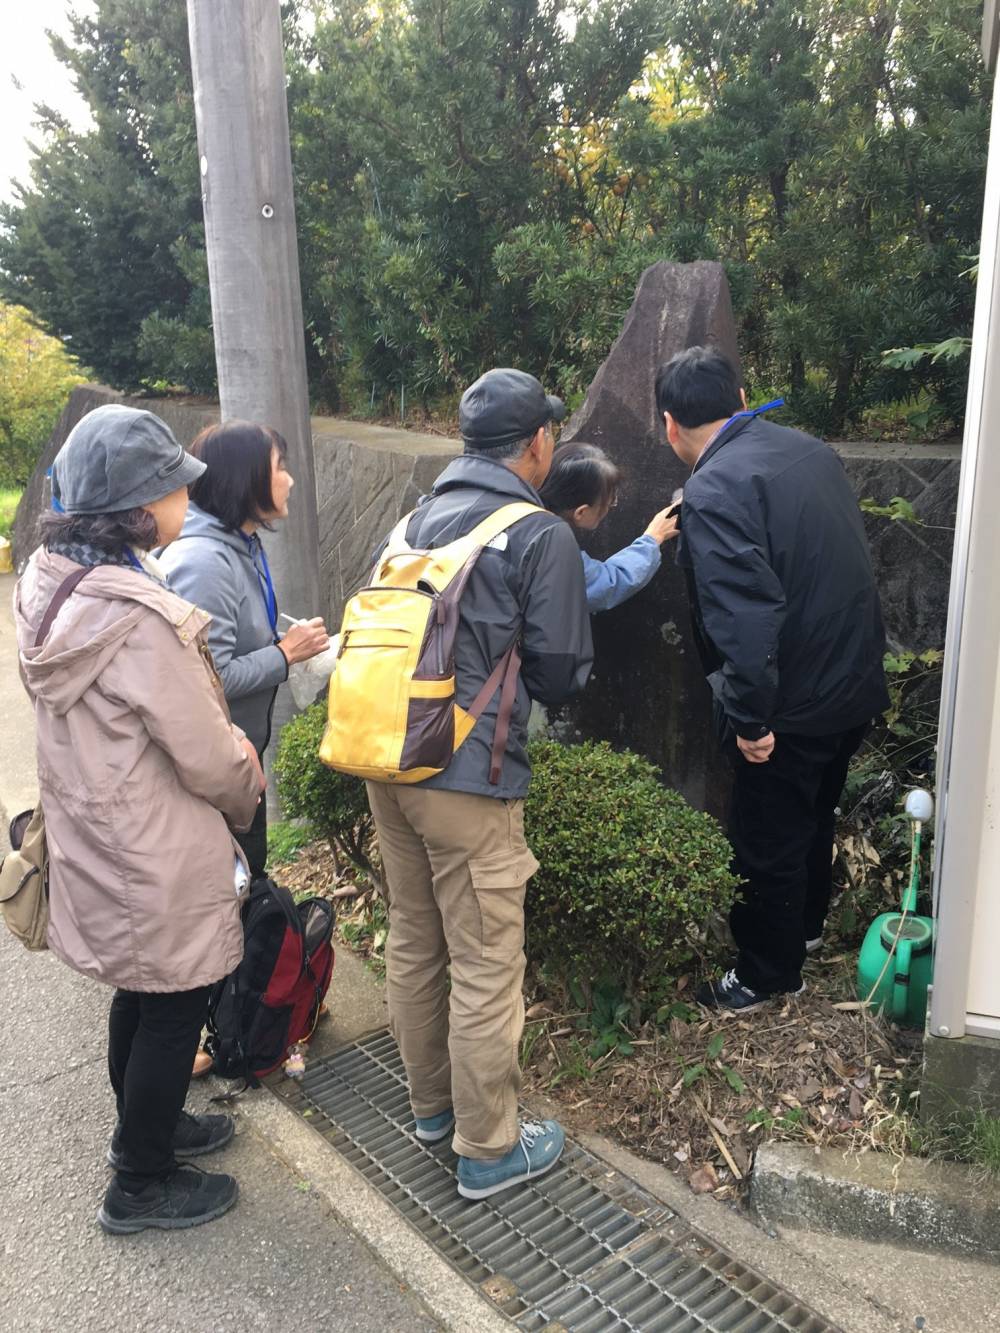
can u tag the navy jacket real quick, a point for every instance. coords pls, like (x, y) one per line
(529, 580)
(784, 600)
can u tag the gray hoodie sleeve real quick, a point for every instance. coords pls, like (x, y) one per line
(557, 650)
(206, 577)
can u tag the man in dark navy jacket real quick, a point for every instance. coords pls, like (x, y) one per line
(789, 626)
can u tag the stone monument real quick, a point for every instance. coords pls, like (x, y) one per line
(648, 690)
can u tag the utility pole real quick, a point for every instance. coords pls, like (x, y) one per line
(237, 60)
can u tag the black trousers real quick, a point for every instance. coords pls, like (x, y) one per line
(781, 825)
(254, 841)
(152, 1040)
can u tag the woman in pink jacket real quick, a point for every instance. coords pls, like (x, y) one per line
(141, 777)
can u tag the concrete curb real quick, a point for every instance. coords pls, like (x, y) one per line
(357, 1204)
(872, 1196)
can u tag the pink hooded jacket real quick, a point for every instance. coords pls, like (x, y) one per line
(139, 769)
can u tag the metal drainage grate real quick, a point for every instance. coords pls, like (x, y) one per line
(582, 1250)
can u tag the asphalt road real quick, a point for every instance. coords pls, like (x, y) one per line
(279, 1258)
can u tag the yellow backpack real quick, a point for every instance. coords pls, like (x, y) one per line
(392, 710)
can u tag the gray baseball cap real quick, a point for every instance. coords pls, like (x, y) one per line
(505, 405)
(119, 458)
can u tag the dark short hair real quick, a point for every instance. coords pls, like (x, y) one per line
(698, 385)
(108, 532)
(581, 474)
(236, 484)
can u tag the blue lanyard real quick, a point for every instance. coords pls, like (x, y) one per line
(263, 572)
(133, 559)
(749, 412)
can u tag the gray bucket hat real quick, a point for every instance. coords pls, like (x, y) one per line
(119, 458)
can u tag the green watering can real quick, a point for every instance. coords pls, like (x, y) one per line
(896, 961)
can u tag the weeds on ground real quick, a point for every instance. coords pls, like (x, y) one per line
(700, 1091)
(286, 841)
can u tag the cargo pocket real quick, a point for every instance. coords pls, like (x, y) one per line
(498, 881)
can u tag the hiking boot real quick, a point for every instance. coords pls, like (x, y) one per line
(194, 1136)
(186, 1198)
(434, 1128)
(538, 1150)
(730, 993)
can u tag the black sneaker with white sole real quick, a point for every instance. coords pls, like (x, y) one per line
(194, 1136)
(186, 1198)
(730, 993)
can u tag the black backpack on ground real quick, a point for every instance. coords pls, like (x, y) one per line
(272, 1000)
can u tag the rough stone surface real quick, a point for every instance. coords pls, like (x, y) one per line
(366, 478)
(649, 691)
(932, 1205)
(912, 564)
(961, 1074)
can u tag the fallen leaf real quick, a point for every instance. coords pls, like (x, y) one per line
(856, 1105)
(704, 1180)
(540, 1010)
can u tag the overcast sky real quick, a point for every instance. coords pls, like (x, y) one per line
(29, 73)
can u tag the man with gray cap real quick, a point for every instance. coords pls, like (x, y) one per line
(453, 846)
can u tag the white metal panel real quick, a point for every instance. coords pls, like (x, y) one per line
(967, 748)
(983, 997)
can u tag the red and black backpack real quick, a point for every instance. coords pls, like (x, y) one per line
(272, 1000)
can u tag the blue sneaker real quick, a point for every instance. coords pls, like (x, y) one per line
(541, 1145)
(434, 1128)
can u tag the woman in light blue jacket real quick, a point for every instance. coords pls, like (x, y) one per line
(582, 488)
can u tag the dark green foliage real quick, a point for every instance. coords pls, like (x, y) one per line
(334, 803)
(628, 870)
(482, 183)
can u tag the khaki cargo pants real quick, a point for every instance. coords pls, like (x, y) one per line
(456, 866)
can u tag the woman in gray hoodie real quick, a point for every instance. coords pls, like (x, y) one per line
(220, 564)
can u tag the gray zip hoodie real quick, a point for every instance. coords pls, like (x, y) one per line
(222, 572)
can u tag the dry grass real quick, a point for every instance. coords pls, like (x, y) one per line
(700, 1092)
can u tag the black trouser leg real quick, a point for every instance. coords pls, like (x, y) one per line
(153, 1040)
(819, 863)
(254, 841)
(781, 827)
(123, 1020)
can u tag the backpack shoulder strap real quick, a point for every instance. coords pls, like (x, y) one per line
(56, 605)
(499, 521)
(396, 541)
(455, 556)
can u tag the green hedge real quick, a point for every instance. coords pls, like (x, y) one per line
(629, 871)
(335, 803)
(628, 874)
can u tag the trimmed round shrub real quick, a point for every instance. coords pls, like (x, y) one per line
(629, 871)
(335, 803)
